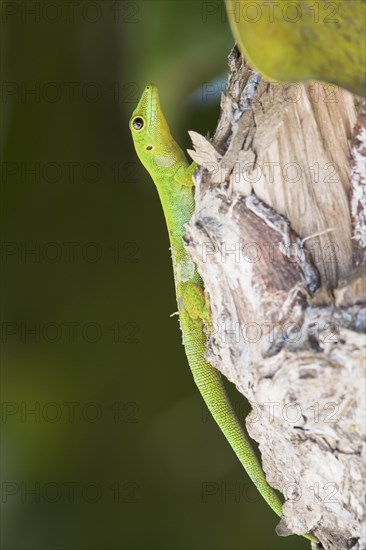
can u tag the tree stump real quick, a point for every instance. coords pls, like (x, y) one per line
(278, 235)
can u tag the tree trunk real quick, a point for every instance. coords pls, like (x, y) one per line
(279, 237)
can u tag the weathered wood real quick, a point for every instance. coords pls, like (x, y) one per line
(278, 233)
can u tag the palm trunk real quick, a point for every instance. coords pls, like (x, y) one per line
(278, 235)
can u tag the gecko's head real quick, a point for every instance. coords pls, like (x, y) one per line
(147, 122)
(150, 132)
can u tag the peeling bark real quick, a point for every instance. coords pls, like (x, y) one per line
(278, 235)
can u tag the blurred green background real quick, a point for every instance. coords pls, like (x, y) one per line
(105, 441)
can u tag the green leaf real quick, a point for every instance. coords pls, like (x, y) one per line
(303, 39)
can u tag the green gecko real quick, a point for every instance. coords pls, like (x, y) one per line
(172, 175)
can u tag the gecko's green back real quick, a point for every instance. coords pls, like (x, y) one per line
(172, 175)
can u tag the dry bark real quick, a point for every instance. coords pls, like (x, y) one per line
(278, 235)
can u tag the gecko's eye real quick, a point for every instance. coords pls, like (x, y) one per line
(138, 123)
